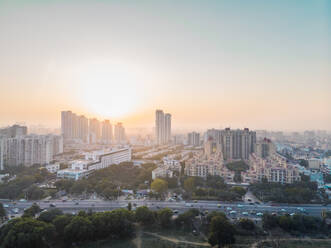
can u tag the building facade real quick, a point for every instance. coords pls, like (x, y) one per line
(193, 139)
(162, 127)
(30, 149)
(119, 133)
(107, 132)
(235, 144)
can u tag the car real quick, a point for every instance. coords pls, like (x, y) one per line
(240, 206)
(274, 214)
(251, 203)
(22, 200)
(245, 213)
(218, 205)
(195, 201)
(249, 200)
(76, 203)
(283, 210)
(64, 200)
(206, 212)
(292, 214)
(5, 205)
(233, 212)
(257, 203)
(52, 205)
(175, 211)
(259, 214)
(228, 208)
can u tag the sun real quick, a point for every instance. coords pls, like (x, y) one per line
(110, 88)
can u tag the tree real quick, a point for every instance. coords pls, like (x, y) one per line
(246, 224)
(187, 217)
(221, 232)
(32, 211)
(189, 185)
(64, 184)
(164, 216)
(49, 215)
(129, 206)
(160, 186)
(239, 190)
(144, 215)
(78, 230)
(2, 211)
(60, 222)
(28, 233)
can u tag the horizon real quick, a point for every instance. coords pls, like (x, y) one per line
(211, 64)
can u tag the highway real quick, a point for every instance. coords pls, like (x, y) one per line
(232, 209)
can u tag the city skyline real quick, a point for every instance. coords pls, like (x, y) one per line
(210, 63)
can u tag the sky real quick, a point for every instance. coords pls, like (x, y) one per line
(257, 64)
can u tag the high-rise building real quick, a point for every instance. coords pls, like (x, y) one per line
(2, 153)
(107, 132)
(235, 144)
(119, 133)
(13, 131)
(162, 127)
(83, 128)
(159, 127)
(193, 139)
(265, 148)
(94, 131)
(74, 127)
(167, 128)
(66, 125)
(30, 149)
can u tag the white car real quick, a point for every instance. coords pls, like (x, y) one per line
(283, 210)
(244, 213)
(233, 212)
(259, 214)
(240, 206)
(228, 208)
(5, 206)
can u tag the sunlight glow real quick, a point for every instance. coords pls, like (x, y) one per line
(110, 88)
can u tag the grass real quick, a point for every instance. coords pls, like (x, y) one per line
(297, 244)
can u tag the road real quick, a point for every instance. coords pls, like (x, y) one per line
(181, 206)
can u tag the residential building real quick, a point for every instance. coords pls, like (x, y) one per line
(13, 131)
(30, 149)
(119, 133)
(265, 148)
(314, 164)
(162, 127)
(274, 168)
(235, 144)
(74, 127)
(94, 131)
(193, 139)
(53, 168)
(2, 153)
(82, 128)
(167, 128)
(168, 169)
(107, 132)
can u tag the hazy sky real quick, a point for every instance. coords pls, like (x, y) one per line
(257, 64)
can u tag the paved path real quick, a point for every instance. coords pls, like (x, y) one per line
(177, 241)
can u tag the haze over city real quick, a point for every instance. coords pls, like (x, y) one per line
(257, 64)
